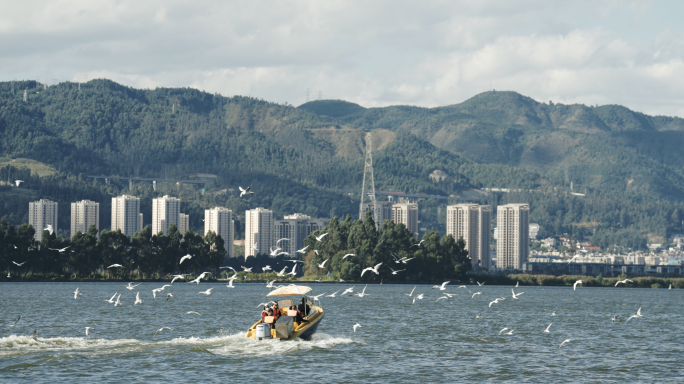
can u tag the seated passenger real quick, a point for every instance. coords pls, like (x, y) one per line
(276, 312)
(298, 317)
(264, 313)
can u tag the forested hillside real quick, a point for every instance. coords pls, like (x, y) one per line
(295, 158)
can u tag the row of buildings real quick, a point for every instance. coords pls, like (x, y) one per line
(472, 223)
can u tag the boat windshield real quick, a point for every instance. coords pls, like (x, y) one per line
(285, 303)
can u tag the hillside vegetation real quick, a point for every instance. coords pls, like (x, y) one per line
(295, 158)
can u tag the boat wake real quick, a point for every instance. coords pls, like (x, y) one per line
(226, 345)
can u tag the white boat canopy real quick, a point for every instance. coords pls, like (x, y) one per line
(290, 290)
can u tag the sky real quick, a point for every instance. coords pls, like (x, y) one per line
(374, 53)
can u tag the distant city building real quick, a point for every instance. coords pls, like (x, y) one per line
(296, 228)
(472, 223)
(220, 221)
(183, 223)
(165, 211)
(258, 231)
(41, 214)
(534, 231)
(512, 243)
(384, 211)
(407, 214)
(126, 215)
(84, 214)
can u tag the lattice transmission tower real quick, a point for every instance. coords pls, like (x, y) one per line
(368, 187)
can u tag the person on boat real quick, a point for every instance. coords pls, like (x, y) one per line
(298, 316)
(264, 313)
(276, 312)
(304, 308)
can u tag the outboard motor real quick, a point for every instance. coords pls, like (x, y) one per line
(263, 331)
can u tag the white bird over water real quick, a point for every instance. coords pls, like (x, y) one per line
(17, 182)
(510, 333)
(168, 296)
(517, 284)
(230, 284)
(59, 250)
(293, 272)
(480, 284)
(267, 268)
(475, 294)
(322, 265)
(88, 329)
(118, 301)
(554, 313)
(115, 266)
(623, 282)
(269, 284)
(374, 270)
(137, 299)
(638, 314)
(193, 313)
(348, 290)
(200, 277)
(186, 257)
(161, 329)
(282, 273)
(419, 297)
(130, 286)
(76, 293)
(505, 329)
(248, 270)
(332, 294)
(319, 238)
(245, 191)
(357, 325)
(566, 341)
(303, 250)
(208, 291)
(441, 287)
(176, 277)
(15, 323)
(479, 316)
(515, 296)
(395, 272)
(348, 255)
(363, 293)
(496, 301)
(18, 264)
(574, 286)
(547, 328)
(410, 294)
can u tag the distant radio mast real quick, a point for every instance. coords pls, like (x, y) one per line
(368, 186)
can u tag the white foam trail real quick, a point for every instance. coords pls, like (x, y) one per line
(235, 344)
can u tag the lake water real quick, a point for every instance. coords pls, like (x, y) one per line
(398, 341)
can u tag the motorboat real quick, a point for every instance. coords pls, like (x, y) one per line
(288, 326)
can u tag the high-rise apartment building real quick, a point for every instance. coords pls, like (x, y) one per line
(296, 228)
(384, 211)
(407, 214)
(512, 241)
(183, 223)
(84, 214)
(165, 211)
(126, 215)
(472, 223)
(220, 221)
(41, 214)
(258, 231)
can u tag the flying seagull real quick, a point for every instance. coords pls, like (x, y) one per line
(554, 313)
(17, 182)
(168, 296)
(118, 301)
(267, 268)
(200, 277)
(319, 238)
(60, 250)
(374, 270)
(574, 286)
(505, 329)
(247, 269)
(230, 284)
(441, 287)
(348, 290)
(347, 255)
(161, 329)
(111, 300)
(186, 257)
(115, 266)
(566, 341)
(192, 313)
(283, 239)
(623, 282)
(357, 325)
(137, 299)
(515, 296)
(76, 293)
(395, 272)
(363, 293)
(322, 265)
(332, 295)
(15, 323)
(293, 272)
(18, 264)
(417, 245)
(245, 191)
(303, 250)
(282, 273)
(475, 294)
(480, 284)
(638, 314)
(547, 328)
(176, 277)
(49, 228)
(130, 286)
(88, 329)
(410, 294)
(419, 297)
(208, 291)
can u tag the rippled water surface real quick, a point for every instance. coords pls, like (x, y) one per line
(398, 341)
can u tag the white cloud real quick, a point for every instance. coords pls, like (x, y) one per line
(376, 54)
